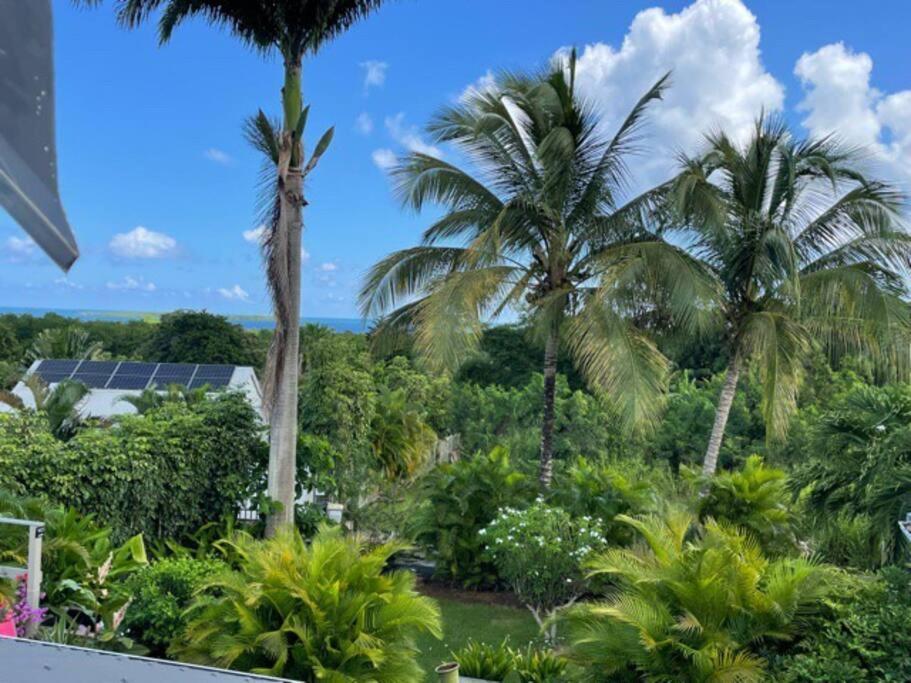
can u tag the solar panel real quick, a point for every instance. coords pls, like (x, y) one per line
(53, 377)
(132, 375)
(95, 373)
(57, 366)
(216, 376)
(173, 373)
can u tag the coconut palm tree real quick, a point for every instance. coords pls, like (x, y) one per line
(808, 249)
(64, 342)
(292, 28)
(539, 227)
(152, 398)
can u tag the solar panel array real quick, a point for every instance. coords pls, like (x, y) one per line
(130, 375)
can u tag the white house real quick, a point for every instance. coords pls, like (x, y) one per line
(110, 380)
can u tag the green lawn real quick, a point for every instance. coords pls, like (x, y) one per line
(485, 623)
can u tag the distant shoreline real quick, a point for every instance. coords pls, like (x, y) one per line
(250, 322)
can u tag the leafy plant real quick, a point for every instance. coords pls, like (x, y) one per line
(160, 595)
(864, 638)
(755, 498)
(319, 610)
(402, 442)
(461, 499)
(72, 342)
(505, 663)
(690, 604)
(540, 552)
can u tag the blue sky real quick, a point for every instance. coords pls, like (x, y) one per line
(160, 187)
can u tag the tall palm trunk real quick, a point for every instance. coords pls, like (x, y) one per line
(710, 464)
(286, 283)
(546, 470)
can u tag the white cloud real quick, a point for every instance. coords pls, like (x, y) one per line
(130, 283)
(364, 124)
(142, 243)
(485, 83)
(235, 293)
(69, 284)
(255, 235)
(20, 249)
(718, 79)
(374, 73)
(384, 158)
(218, 156)
(305, 255)
(408, 136)
(328, 267)
(839, 99)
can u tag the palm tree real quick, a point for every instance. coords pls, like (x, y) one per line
(152, 398)
(542, 229)
(292, 28)
(64, 342)
(60, 405)
(807, 248)
(401, 441)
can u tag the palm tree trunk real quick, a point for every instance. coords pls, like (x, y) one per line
(728, 390)
(283, 422)
(546, 470)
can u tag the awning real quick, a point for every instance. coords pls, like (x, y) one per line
(28, 153)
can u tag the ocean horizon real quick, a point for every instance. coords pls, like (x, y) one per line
(250, 322)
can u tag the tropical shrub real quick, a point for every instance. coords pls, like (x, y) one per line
(199, 337)
(863, 466)
(504, 663)
(160, 594)
(604, 489)
(755, 498)
(540, 552)
(462, 498)
(402, 442)
(864, 638)
(690, 604)
(320, 610)
(162, 474)
(83, 569)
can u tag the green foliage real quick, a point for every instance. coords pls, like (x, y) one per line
(540, 552)
(162, 474)
(83, 569)
(199, 337)
(864, 638)
(604, 489)
(863, 466)
(462, 498)
(66, 342)
(756, 499)
(488, 416)
(337, 404)
(323, 610)
(160, 594)
(426, 393)
(402, 442)
(505, 663)
(690, 604)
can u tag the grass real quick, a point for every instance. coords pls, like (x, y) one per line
(468, 620)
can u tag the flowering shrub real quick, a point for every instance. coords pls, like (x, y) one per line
(540, 552)
(24, 615)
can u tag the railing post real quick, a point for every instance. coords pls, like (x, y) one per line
(33, 584)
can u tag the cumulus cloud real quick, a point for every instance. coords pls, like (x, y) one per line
(130, 283)
(328, 267)
(19, 249)
(384, 158)
(485, 83)
(255, 235)
(712, 48)
(363, 123)
(142, 243)
(218, 156)
(235, 293)
(374, 73)
(408, 137)
(67, 283)
(839, 99)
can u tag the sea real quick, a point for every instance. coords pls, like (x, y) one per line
(251, 322)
